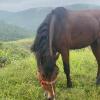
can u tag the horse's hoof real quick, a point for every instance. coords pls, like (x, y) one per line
(98, 81)
(69, 85)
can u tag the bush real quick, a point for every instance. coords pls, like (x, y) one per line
(3, 61)
(10, 52)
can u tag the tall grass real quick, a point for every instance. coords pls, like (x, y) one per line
(18, 79)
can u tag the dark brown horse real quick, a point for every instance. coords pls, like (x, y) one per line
(61, 31)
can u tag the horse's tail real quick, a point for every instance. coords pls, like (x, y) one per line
(51, 33)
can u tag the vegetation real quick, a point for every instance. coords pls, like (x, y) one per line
(18, 80)
(10, 32)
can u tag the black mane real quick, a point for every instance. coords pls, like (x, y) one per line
(41, 43)
(41, 40)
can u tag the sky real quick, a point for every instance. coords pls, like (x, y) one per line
(17, 5)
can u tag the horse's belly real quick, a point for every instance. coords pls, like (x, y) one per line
(82, 40)
(79, 45)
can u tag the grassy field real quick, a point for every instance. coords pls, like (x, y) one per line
(18, 80)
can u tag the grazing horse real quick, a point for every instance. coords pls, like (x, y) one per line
(61, 31)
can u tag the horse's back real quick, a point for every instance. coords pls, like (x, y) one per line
(84, 28)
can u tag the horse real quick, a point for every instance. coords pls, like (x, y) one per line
(61, 31)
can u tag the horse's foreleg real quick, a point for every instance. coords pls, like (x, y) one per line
(65, 59)
(96, 50)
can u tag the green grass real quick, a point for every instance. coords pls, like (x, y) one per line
(18, 79)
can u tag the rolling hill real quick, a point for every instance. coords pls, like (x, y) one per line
(83, 6)
(10, 32)
(31, 18)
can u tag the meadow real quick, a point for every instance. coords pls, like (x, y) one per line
(18, 78)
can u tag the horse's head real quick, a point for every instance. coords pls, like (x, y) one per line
(47, 73)
(47, 69)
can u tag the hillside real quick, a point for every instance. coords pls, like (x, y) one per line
(23, 24)
(83, 6)
(31, 18)
(11, 32)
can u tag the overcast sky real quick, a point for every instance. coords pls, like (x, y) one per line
(16, 5)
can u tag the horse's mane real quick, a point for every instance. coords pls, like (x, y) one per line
(41, 42)
(42, 36)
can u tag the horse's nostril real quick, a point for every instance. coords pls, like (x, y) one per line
(51, 98)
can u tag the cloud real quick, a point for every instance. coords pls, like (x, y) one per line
(11, 1)
(15, 5)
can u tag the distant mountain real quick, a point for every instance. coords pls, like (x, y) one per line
(31, 18)
(83, 6)
(10, 32)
